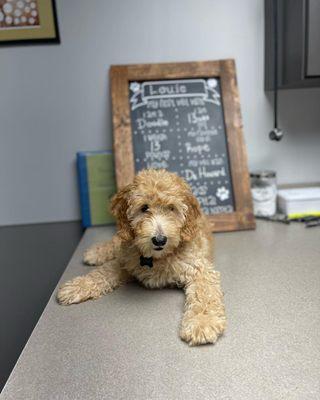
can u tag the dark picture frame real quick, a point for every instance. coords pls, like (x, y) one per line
(122, 75)
(47, 32)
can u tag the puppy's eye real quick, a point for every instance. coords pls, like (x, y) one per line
(145, 208)
(171, 208)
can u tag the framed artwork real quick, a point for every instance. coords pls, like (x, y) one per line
(28, 22)
(185, 117)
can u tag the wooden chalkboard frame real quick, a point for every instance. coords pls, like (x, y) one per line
(121, 75)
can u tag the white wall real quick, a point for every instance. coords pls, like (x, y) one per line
(54, 100)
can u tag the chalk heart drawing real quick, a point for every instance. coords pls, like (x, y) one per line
(222, 193)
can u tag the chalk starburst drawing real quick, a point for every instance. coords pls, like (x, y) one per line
(212, 87)
(222, 193)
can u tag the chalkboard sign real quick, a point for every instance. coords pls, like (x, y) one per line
(179, 125)
(185, 117)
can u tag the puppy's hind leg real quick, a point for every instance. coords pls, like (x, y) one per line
(100, 281)
(100, 253)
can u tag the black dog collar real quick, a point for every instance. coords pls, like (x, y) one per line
(148, 261)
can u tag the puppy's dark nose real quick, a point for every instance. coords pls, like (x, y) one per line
(159, 240)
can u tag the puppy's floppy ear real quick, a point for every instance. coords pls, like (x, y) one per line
(193, 213)
(119, 206)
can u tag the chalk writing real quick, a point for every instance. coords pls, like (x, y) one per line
(179, 125)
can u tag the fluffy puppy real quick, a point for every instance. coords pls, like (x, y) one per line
(163, 239)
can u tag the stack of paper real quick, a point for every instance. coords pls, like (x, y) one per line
(299, 201)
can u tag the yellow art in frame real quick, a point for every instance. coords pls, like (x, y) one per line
(28, 21)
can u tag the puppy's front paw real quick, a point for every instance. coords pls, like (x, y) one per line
(75, 291)
(202, 329)
(95, 255)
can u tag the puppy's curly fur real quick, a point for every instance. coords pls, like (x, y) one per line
(158, 204)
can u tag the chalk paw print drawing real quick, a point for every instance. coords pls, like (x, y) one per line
(222, 193)
(19, 13)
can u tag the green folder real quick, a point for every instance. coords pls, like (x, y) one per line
(97, 186)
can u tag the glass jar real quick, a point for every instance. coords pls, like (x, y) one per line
(264, 192)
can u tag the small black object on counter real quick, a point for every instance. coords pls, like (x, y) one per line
(310, 221)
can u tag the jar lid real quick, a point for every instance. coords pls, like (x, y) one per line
(263, 174)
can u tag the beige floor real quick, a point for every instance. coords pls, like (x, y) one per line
(126, 345)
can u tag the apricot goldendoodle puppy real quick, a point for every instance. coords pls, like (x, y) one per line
(163, 239)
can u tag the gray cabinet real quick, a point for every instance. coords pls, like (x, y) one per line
(313, 39)
(298, 43)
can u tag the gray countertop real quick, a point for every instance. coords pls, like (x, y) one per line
(126, 345)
